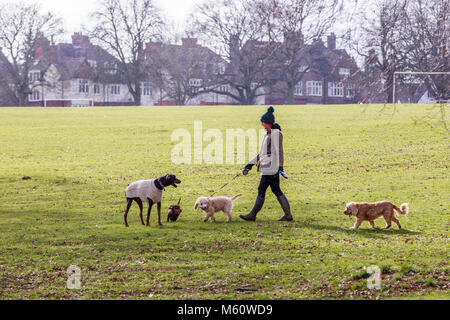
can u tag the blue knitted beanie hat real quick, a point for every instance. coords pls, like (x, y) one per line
(268, 116)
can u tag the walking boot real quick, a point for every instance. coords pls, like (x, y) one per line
(286, 208)
(256, 208)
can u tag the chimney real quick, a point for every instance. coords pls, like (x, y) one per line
(52, 52)
(331, 41)
(189, 42)
(41, 46)
(79, 40)
(234, 45)
(153, 45)
(150, 46)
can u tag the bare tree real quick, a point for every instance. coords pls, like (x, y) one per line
(182, 71)
(428, 44)
(123, 28)
(21, 27)
(376, 35)
(242, 38)
(297, 24)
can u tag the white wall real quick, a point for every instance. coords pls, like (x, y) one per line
(54, 89)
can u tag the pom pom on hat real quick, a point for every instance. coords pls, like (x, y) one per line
(268, 116)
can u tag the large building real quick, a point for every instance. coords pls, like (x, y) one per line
(326, 76)
(80, 74)
(184, 74)
(75, 74)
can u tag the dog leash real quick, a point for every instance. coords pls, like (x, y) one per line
(238, 175)
(284, 175)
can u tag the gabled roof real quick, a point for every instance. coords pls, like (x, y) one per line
(4, 74)
(76, 68)
(183, 54)
(6, 95)
(77, 60)
(327, 58)
(342, 58)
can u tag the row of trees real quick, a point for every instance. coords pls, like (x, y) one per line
(20, 27)
(287, 25)
(402, 35)
(388, 35)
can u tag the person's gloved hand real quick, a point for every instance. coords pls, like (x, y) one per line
(283, 174)
(247, 169)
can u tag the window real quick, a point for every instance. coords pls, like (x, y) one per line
(351, 90)
(80, 86)
(344, 71)
(96, 89)
(194, 90)
(110, 67)
(220, 68)
(195, 82)
(314, 88)
(202, 65)
(115, 89)
(34, 96)
(83, 86)
(194, 85)
(303, 68)
(223, 88)
(34, 76)
(146, 89)
(298, 90)
(335, 89)
(92, 63)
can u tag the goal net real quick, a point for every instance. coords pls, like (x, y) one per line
(421, 87)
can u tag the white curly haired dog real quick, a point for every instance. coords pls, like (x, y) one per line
(212, 205)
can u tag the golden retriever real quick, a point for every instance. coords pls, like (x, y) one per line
(212, 205)
(365, 211)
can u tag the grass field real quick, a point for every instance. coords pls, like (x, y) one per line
(81, 160)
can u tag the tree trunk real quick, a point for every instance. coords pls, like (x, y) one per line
(136, 93)
(290, 94)
(249, 100)
(389, 88)
(22, 99)
(136, 98)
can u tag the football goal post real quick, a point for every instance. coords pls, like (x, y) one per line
(414, 90)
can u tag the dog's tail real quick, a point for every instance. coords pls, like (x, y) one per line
(236, 197)
(404, 209)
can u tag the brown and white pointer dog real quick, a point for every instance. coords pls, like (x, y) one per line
(144, 191)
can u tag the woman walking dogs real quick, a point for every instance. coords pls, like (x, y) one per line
(270, 162)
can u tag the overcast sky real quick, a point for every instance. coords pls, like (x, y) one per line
(76, 12)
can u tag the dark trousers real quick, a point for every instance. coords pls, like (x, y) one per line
(273, 181)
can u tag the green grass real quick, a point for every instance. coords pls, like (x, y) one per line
(81, 160)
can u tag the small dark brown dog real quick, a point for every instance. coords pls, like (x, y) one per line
(174, 212)
(366, 211)
(148, 191)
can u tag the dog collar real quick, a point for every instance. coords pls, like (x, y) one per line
(159, 185)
